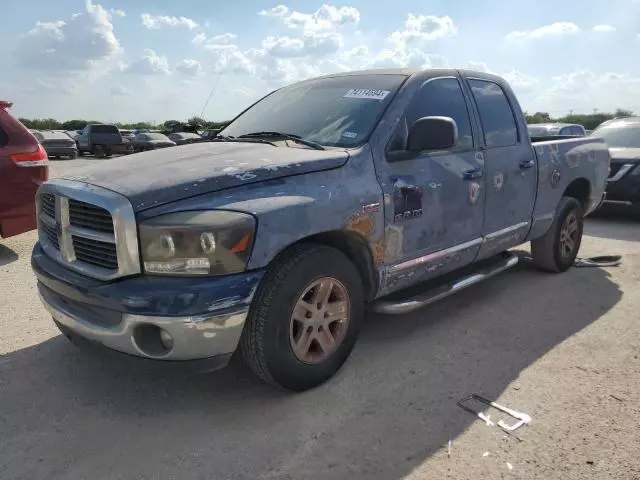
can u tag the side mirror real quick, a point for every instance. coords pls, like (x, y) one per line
(432, 133)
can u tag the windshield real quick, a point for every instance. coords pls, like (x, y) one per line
(336, 111)
(619, 136)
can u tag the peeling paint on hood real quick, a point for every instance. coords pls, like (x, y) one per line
(154, 178)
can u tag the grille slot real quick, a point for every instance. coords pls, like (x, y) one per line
(51, 234)
(90, 217)
(98, 253)
(48, 205)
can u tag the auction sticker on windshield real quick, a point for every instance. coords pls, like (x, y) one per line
(367, 93)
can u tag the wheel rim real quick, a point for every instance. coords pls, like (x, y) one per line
(319, 320)
(569, 235)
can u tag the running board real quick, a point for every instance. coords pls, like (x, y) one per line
(502, 262)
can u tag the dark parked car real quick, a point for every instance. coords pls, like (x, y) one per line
(101, 140)
(623, 138)
(57, 144)
(151, 141)
(556, 129)
(210, 134)
(184, 138)
(23, 168)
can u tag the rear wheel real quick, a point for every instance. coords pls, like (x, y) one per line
(305, 318)
(557, 249)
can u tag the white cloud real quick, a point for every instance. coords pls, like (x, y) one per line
(77, 44)
(312, 44)
(277, 11)
(199, 39)
(118, 12)
(584, 90)
(120, 90)
(604, 28)
(223, 39)
(158, 21)
(423, 28)
(325, 18)
(189, 67)
(554, 29)
(410, 58)
(149, 64)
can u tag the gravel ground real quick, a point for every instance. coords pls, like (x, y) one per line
(563, 348)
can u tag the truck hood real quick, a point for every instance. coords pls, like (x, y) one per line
(153, 178)
(627, 155)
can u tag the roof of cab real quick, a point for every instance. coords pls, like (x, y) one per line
(415, 72)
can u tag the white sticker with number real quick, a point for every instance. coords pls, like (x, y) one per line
(367, 93)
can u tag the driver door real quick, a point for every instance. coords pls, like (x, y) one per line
(434, 218)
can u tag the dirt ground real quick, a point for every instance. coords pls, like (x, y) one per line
(565, 349)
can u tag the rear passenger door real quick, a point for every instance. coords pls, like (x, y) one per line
(511, 173)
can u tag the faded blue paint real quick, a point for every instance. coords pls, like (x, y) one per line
(147, 295)
(295, 192)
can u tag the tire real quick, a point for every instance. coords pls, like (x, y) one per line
(73, 156)
(270, 332)
(549, 252)
(98, 151)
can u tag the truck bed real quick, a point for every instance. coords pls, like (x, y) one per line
(569, 162)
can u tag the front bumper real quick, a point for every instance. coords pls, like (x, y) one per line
(625, 188)
(203, 318)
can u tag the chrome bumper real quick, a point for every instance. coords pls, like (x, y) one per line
(192, 338)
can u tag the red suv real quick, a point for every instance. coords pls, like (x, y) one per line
(23, 167)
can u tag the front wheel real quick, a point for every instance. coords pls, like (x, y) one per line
(557, 249)
(305, 318)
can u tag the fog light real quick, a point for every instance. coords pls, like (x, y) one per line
(166, 339)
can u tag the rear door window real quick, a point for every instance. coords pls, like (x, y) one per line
(104, 129)
(497, 117)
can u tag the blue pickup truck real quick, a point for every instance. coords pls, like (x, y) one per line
(383, 189)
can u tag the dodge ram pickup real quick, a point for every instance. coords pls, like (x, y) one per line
(383, 188)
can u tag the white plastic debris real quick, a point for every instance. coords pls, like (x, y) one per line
(485, 454)
(509, 466)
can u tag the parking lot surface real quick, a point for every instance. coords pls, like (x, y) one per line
(564, 349)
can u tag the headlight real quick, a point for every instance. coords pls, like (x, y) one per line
(213, 242)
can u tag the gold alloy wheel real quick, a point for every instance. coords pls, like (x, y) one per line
(319, 321)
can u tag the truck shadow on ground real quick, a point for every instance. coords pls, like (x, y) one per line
(391, 407)
(7, 255)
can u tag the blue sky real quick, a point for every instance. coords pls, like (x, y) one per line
(113, 60)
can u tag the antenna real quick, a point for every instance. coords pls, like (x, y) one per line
(210, 94)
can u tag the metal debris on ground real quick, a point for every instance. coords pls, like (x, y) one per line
(601, 261)
(523, 418)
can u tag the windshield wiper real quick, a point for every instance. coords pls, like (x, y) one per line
(224, 138)
(288, 136)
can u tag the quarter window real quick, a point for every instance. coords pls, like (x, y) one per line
(496, 115)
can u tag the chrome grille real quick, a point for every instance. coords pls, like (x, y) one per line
(102, 254)
(87, 228)
(84, 215)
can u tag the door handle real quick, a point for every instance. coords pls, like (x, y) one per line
(472, 174)
(526, 164)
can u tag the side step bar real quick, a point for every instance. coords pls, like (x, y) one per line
(503, 262)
